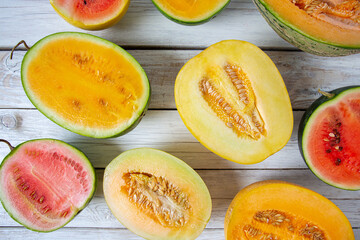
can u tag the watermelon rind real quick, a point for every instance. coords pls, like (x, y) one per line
(75, 150)
(305, 124)
(178, 20)
(121, 130)
(299, 38)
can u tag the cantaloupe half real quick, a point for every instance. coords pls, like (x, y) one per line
(321, 27)
(91, 14)
(280, 210)
(190, 12)
(85, 84)
(233, 100)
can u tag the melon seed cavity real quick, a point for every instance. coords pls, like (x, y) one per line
(240, 114)
(345, 14)
(158, 198)
(290, 225)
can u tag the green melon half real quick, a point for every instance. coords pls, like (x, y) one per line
(308, 33)
(156, 195)
(190, 12)
(86, 84)
(45, 183)
(329, 138)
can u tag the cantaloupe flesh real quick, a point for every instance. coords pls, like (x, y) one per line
(159, 164)
(190, 10)
(302, 205)
(272, 101)
(85, 84)
(301, 21)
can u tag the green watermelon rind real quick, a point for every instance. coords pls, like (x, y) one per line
(306, 120)
(300, 39)
(62, 123)
(81, 156)
(191, 23)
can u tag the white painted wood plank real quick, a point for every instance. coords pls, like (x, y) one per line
(103, 234)
(98, 215)
(88, 233)
(160, 129)
(303, 75)
(143, 25)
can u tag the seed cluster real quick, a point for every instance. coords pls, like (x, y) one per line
(333, 144)
(244, 120)
(273, 217)
(343, 13)
(312, 232)
(252, 232)
(158, 197)
(284, 221)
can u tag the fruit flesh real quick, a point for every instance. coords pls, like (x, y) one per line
(331, 139)
(91, 14)
(161, 197)
(44, 183)
(280, 210)
(96, 88)
(312, 17)
(233, 100)
(190, 10)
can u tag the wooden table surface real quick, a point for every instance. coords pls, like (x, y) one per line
(162, 47)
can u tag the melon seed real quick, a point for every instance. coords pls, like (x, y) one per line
(337, 161)
(158, 197)
(246, 122)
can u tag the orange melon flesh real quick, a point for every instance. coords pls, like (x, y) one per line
(85, 84)
(190, 10)
(296, 208)
(91, 14)
(301, 21)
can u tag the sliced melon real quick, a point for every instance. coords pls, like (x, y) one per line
(329, 138)
(233, 100)
(44, 183)
(91, 14)
(325, 28)
(85, 84)
(190, 12)
(156, 195)
(279, 210)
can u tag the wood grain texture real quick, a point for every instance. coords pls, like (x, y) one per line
(98, 215)
(161, 129)
(143, 25)
(303, 75)
(103, 234)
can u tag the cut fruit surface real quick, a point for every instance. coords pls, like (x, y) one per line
(44, 183)
(190, 12)
(91, 14)
(156, 195)
(329, 138)
(326, 28)
(233, 100)
(85, 84)
(279, 210)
